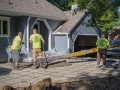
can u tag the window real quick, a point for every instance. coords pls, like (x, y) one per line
(4, 26)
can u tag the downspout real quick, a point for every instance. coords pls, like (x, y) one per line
(50, 40)
(27, 34)
(68, 42)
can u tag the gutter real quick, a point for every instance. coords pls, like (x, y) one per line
(38, 16)
(68, 42)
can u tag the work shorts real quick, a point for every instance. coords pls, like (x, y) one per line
(37, 52)
(102, 53)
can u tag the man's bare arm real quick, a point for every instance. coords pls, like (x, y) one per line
(21, 41)
(43, 41)
(30, 41)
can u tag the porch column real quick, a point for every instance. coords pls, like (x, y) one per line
(50, 33)
(68, 42)
(27, 41)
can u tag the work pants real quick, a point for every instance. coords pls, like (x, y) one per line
(37, 52)
(16, 55)
(101, 55)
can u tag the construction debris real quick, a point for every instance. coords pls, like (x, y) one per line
(108, 83)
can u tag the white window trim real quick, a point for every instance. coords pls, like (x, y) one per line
(8, 20)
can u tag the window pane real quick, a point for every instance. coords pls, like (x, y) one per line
(5, 25)
(0, 26)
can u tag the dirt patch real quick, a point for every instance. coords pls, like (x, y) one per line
(96, 84)
(111, 83)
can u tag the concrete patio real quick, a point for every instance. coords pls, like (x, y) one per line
(74, 71)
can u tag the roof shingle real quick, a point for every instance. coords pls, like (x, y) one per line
(71, 22)
(41, 9)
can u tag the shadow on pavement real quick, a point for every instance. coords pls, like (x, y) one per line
(5, 71)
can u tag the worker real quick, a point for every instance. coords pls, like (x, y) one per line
(16, 47)
(102, 44)
(36, 39)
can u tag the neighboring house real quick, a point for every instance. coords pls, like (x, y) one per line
(24, 15)
(114, 34)
(61, 30)
(73, 35)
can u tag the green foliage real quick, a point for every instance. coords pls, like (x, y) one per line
(103, 12)
(109, 20)
(61, 4)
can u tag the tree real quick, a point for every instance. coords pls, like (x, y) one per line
(61, 4)
(103, 12)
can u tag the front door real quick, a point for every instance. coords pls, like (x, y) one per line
(37, 26)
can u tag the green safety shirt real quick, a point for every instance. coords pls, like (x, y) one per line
(102, 43)
(36, 40)
(16, 43)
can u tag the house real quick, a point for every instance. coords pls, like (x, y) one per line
(114, 34)
(73, 35)
(61, 30)
(24, 15)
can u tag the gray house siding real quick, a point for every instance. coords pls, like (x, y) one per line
(54, 24)
(3, 40)
(21, 26)
(61, 43)
(17, 24)
(52, 41)
(80, 29)
(31, 22)
(45, 33)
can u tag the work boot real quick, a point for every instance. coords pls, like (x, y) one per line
(34, 67)
(13, 65)
(40, 62)
(104, 63)
(98, 63)
(97, 66)
(104, 66)
(16, 65)
(8, 61)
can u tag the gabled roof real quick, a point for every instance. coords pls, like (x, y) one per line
(42, 9)
(71, 22)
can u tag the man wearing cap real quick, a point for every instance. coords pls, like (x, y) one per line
(36, 39)
(16, 47)
(102, 44)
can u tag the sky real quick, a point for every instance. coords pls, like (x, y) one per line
(119, 9)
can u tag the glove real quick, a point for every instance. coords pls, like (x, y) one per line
(23, 43)
(9, 46)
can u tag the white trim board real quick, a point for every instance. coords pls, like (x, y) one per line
(59, 33)
(84, 35)
(2, 18)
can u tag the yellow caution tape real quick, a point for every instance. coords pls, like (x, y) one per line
(89, 51)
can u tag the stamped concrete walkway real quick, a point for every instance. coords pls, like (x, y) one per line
(79, 70)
